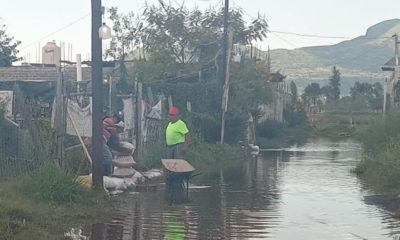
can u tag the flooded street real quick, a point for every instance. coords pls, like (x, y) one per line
(303, 192)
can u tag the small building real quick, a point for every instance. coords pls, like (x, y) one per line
(393, 65)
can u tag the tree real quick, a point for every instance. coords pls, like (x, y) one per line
(126, 36)
(370, 94)
(311, 93)
(334, 84)
(193, 36)
(8, 48)
(293, 90)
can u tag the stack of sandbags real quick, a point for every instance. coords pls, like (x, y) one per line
(123, 162)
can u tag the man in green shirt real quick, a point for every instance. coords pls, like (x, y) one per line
(177, 136)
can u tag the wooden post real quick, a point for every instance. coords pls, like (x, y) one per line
(150, 96)
(384, 96)
(225, 95)
(59, 121)
(189, 106)
(139, 134)
(97, 95)
(135, 127)
(80, 138)
(170, 103)
(225, 41)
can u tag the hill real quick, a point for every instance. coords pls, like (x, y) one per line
(358, 59)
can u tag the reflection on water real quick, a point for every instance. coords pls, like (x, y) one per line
(300, 193)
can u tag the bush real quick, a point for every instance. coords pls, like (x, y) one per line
(53, 184)
(380, 165)
(209, 158)
(202, 126)
(380, 134)
(270, 129)
(11, 220)
(383, 169)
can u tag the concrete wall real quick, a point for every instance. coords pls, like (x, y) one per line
(281, 99)
(40, 74)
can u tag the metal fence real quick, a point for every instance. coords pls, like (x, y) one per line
(17, 155)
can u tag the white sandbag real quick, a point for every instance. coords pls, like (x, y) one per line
(123, 172)
(132, 181)
(123, 161)
(114, 183)
(154, 173)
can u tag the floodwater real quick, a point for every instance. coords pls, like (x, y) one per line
(303, 192)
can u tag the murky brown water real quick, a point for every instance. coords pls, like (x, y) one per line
(300, 193)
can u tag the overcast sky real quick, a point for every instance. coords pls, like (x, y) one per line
(34, 21)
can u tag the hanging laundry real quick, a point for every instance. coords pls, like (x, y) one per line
(82, 118)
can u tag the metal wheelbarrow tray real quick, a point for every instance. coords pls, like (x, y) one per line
(177, 168)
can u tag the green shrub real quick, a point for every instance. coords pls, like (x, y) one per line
(207, 155)
(53, 184)
(11, 220)
(202, 126)
(380, 133)
(380, 165)
(208, 159)
(270, 129)
(382, 170)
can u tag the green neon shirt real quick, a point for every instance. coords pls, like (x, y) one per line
(175, 132)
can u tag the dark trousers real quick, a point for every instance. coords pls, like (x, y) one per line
(175, 151)
(107, 158)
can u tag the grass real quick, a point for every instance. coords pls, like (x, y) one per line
(380, 166)
(209, 158)
(286, 137)
(337, 125)
(273, 134)
(47, 204)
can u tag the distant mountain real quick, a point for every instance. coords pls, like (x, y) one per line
(359, 59)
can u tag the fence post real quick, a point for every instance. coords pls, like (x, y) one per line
(139, 115)
(59, 121)
(170, 103)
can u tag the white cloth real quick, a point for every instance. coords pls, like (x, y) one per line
(155, 111)
(82, 118)
(129, 117)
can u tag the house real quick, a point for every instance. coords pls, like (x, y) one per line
(393, 66)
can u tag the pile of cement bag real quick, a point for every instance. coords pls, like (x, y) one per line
(123, 162)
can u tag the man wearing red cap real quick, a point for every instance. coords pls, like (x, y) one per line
(177, 136)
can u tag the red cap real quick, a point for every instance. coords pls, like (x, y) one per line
(173, 111)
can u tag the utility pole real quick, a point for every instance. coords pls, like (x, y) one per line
(97, 98)
(384, 96)
(224, 68)
(396, 71)
(396, 49)
(225, 39)
(225, 95)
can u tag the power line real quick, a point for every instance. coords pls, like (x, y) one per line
(59, 30)
(281, 38)
(322, 36)
(309, 35)
(304, 34)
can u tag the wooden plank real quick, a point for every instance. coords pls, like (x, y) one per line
(177, 165)
(80, 138)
